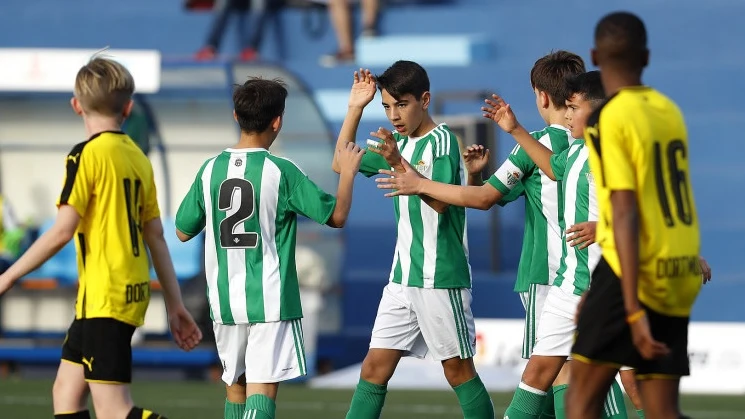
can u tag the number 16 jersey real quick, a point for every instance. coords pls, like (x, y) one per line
(109, 182)
(639, 143)
(247, 200)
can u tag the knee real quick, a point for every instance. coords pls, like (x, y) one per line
(376, 370)
(458, 371)
(69, 392)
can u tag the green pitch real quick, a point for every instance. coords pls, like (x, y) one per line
(31, 399)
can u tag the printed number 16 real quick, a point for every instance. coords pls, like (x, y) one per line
(677, 179)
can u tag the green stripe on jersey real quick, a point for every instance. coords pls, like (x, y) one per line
(431, 248)
(580, 205)
(542, 238)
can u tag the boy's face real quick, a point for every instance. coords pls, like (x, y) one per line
(407, 113)
(578, 110)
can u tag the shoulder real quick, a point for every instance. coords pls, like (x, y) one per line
(444, 140)
(284, 164)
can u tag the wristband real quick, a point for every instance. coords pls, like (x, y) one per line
(633, 318)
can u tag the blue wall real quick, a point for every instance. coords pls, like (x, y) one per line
(698, 59)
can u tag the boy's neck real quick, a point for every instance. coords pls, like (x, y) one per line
(556, 117)
(254, 140)
(427, 125)
(97, 124)
(615, 80)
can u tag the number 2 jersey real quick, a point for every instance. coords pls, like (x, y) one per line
(638, 142)
(247, 200)
(109, 182)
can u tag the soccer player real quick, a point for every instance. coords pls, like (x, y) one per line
(249, 200)
(426, 306)
(556, 328)
(542, 240)
(637, 311)
(108, 204)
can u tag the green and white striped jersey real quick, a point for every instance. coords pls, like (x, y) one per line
(572, 169)
(542, 239)
(431, 248)
(248, 200)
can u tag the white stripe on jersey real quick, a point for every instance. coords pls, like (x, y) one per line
(550, 208)
(210, 248)
(594, 251)
(430, 220)
(405, 235)
(271, 278)
(236, 258)
(570, 214)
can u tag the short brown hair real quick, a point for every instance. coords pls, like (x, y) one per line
(550, 72)
(104, 87)
(257, 102)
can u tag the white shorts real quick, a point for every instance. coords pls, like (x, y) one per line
(533, 302)
(419, 321)
(555, 334)
(265, 352)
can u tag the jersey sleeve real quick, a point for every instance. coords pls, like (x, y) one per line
(307, 199)
(79, 183)
(512, 171)
(191, 216)
(615, 152)
(446, 162)
(371, 163)
(151, 210)
(559, 163)
(515, 193)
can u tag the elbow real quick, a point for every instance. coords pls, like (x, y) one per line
(485, 203)
(64, 236)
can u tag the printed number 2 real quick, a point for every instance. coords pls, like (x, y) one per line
(678, 180)
(132, 199)
(246, 209)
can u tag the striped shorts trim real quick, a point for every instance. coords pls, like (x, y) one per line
(533, 301)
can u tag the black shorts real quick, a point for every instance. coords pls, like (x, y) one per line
(604, 336)
(103, 346)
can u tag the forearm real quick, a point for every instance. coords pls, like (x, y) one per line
(626, 233)
(540, 154)
(164, 271)
(462, 196)
(44, 248)
(343, 201)
(348, 131)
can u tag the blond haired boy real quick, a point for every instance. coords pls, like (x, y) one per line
(108, 205)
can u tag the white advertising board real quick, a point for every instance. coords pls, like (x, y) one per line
(54, 70)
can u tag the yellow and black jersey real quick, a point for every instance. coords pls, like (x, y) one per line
(639, 142)
(109, 182)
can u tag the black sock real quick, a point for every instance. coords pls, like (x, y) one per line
(83, 414)
(140, 413)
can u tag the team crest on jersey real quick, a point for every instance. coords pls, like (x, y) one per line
(421, 166)
(238, 163)
(590, 178)
(513, 178)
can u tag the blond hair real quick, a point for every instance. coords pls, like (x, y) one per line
(104, 87)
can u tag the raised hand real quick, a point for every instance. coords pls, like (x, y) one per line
(387, 147)
(404, 183)
(581, 234)
(705, 270)
(500, 112)
(476, 157)
(349, 158)
(363, 89)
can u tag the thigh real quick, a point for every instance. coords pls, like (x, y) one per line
(672, 331)
(72, 347)
(396, 324)
(446, 321)
(107, 351)
(555, 333)
(536, 299)
(603, 336)
(231, 342)
(275, 352)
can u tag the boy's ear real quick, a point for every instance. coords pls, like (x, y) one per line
(645, 58)
(426, 97)
(594, 57)
(277, 123)
(235, 116)
(76, 107)
(128, 109)
(545, 101)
